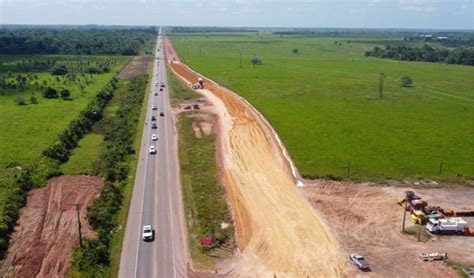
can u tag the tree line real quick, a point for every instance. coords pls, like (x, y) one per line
(74, 41)
(426, 53)
(113, 166)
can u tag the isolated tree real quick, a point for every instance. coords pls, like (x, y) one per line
(65, 93)
(33, 99)
(406, 81)
(256, 61)
(20, 100)
(50, 93)
(295, 50)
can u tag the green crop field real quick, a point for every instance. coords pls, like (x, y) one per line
(324, 103)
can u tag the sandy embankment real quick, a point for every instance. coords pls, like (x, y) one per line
(277, 230)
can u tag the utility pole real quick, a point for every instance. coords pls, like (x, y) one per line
(404, 214)
(240, 59)
(441, 167)
(200, 53)
(382, 76)
(78, 206)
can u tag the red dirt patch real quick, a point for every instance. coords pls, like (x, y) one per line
(46, 232)
(136, 67)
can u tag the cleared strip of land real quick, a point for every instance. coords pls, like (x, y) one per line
(277, 231)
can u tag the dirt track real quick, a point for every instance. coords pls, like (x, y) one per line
(41, 245)
(277, 230)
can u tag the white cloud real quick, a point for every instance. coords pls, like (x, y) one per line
(418, 5)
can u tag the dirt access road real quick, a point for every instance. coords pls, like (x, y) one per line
(277, 230)
(42, 243)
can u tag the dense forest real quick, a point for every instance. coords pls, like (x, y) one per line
(75, 41)
(464, 56)
(182, 29)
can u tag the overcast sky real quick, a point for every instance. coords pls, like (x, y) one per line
(437, 14)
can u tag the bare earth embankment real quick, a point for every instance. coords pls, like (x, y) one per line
(277, 230)
(43, 240)
(136, 67)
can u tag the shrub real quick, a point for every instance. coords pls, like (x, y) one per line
(50, 93)
(65, 93)
(20, 100)
(33, 100)
(406, 81)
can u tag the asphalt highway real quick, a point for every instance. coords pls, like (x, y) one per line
(156, 198)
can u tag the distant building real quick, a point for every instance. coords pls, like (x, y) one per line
(441, 38)
(426, 36)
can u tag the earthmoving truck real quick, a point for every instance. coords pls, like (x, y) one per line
(454, 225)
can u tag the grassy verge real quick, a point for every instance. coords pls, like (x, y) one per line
(122, 215)
(458, 267)
(100, 256)
(204, 198)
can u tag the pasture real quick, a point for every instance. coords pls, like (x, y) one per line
(324, 103)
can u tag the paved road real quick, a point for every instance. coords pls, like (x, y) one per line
(156, 198)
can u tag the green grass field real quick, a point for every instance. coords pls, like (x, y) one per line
(325, 105)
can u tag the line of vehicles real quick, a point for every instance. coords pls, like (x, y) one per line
(148, 233)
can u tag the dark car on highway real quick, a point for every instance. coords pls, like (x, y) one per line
(153, 125)
(162, 114)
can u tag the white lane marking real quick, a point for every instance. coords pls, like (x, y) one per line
(165, 105)
(146, 134)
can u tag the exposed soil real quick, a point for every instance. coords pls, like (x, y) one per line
(367, 219)
(136, 67)
(47, 231)
(278, 233)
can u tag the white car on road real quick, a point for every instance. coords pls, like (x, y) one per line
(147, 233)
(152, 150)
(154, 137)
(153, 107)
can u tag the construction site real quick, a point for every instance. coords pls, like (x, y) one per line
(290, 227)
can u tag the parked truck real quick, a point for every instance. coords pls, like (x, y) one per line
(453, 225)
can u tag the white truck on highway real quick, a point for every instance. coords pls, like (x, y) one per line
(453, 225)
